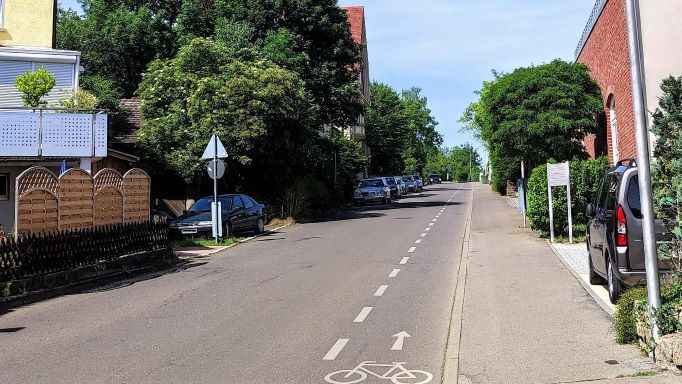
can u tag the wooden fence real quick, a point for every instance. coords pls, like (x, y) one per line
(76, 200)
(42, 253)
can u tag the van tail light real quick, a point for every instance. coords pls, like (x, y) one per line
(621, 228)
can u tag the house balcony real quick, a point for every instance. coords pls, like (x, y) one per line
(52, 133)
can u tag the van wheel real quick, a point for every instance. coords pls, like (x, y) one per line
(595, 279)
(260, 226)
(615, 286)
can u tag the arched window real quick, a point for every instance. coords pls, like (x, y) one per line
(613, 122)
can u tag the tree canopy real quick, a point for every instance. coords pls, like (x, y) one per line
(461, 163)
(401, 130)
(535, 114)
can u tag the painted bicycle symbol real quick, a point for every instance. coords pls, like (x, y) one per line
(396, 373)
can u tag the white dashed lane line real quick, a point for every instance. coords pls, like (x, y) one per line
(404, 260)
(336, 349)
(423, 235)
(394, 273)
(411, 250)
(363, 314)
(380, 291)
(418, 241)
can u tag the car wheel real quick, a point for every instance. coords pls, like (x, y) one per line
(227, 226)
(260, 226)
(595, 279)
(615, 286)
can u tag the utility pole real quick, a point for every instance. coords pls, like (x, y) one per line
(471, 154)
(643, 166)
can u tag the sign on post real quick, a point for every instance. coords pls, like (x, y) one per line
(559, 175)
(216, 169)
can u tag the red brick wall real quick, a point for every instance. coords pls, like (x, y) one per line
(606, 53)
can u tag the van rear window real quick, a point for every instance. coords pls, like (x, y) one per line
(633, 197)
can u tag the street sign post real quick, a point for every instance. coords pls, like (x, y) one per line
(641, 116)
(559, 175)
(214, 151)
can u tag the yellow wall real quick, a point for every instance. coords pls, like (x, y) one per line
(28, 23)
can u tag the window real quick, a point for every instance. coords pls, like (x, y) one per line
(237, 201)
(248, 202)
(633, 197)
(613, 118)
(4, 185)
(611, 194)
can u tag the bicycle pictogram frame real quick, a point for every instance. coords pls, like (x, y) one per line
(395, 372)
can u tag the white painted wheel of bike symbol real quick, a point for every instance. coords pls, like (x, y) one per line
(396, 373)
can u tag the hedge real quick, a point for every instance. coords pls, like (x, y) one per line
(586, 176)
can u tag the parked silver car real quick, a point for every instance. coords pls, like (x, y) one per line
(375, 190)
(409, 183)
(614, 232)
(402, 188)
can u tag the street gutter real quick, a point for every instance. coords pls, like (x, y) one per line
(451, 358)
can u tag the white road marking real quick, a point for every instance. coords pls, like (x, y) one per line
(427, 229)
(394, 273)
(336, 349)
(423, 235)
(412, 249)
(418, 241)
(404, 260)
(400, 340)
(431, 224)
(363, 314)
(380, 291)
(434, 220)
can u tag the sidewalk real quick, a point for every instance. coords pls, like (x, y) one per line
(526, 319)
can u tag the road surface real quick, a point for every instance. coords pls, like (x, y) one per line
(374, 284)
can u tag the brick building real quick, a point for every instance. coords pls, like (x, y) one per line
(604, 48)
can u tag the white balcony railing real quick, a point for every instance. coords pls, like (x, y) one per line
(52, 133)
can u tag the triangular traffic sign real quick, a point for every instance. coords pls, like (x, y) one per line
(210, 152)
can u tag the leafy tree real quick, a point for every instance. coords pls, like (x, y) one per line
(310, 37)
(462, 163)
(667, 175)
(421, 126)
(534, 114)
(386, 130)
(118, 39)
(34, 86)
(250, 105)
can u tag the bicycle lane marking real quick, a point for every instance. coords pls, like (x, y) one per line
(396, 373)
(336, 349)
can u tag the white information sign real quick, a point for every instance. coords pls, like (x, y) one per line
(559, 175)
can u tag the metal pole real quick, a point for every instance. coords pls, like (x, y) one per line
(215, 187)
(523, 186)
(644, 170)
(471, 154)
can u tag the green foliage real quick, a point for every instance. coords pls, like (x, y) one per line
(586, 176)
(34, 86)
(108, 96)
(624, 318)
(248, 104)
(462, 163)
(400, 131)
(309, 37)
(81, 100)
(119, 38)
(667, 174)
(534, 114)
(668, 316)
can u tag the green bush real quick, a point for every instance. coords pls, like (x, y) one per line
(81, 100)
(34, 86)
(671, 305)
(586, 176)
(624, 321)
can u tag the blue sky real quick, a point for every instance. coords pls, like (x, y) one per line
(449, 47)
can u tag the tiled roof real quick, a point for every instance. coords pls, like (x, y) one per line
(356, 19)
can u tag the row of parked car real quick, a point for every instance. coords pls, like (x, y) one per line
(387, 189)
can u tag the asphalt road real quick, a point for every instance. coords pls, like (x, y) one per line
(291, 307)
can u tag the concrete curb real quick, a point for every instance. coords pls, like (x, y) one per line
(451, 358)
(606, 307)
(242, 241)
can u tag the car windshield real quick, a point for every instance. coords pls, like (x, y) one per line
(202, 205)
(373, 183)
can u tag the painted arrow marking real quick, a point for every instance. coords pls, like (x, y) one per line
(400, 340)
